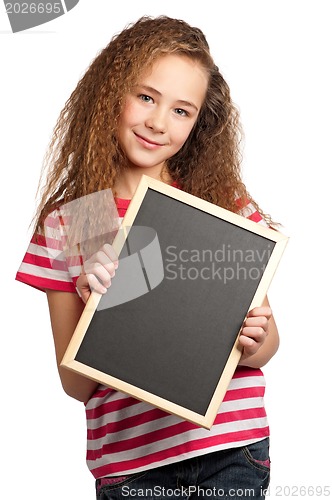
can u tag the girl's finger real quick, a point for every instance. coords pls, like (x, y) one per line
(102, 267)
(110, 252)
(259, 321)
(257, 334)
(102, 274)
(260, 311)
(95, 284)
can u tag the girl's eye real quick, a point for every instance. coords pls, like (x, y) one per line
(181, 112)
(145, 98)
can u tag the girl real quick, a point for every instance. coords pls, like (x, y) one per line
(153, 102)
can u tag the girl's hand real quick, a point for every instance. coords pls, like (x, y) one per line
(254, 331)
(99, 269)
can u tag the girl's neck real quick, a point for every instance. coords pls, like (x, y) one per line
(127, 182)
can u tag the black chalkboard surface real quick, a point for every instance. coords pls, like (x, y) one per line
(166, 330)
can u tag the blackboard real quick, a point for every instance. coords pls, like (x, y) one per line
(166, 330)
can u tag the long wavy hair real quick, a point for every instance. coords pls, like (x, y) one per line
(84, 155)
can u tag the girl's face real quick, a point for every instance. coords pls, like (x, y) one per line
(161, 111)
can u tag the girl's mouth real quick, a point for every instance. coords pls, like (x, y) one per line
(147, 143)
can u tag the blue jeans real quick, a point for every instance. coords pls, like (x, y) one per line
(236, 474)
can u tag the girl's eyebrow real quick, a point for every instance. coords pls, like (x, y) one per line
(149, 89)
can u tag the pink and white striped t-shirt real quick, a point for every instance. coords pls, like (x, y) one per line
(125, 435)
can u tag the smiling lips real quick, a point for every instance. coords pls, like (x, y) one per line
(147, 143)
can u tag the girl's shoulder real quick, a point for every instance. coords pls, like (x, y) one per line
(250, 211)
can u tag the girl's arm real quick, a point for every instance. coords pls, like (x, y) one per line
(65, 311)
(259, 337)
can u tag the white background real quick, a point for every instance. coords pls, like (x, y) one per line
(276, 56)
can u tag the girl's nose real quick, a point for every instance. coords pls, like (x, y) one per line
(156, 121)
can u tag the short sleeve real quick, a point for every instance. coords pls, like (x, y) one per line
(45, 264)
(250, 212)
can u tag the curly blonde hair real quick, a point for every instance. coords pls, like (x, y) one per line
(84, 155)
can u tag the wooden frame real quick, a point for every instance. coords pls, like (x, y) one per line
(188, 314)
